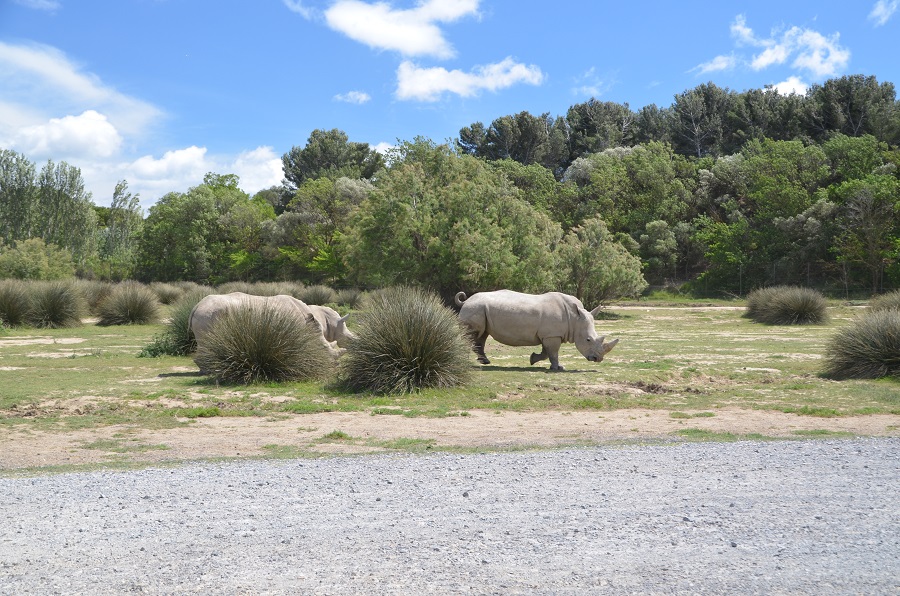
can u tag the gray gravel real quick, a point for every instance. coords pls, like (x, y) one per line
(806, 517)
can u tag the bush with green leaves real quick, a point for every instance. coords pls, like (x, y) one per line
(786, 305)
(55, 304)
(15, 302)
(129, 303)
(176, 338)
(889, 301)
(868, 348)
(406, 340)
(252, 344)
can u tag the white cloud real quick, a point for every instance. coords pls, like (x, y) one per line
(590, 84)
(357, 97)
(883, 11)
(820, 55)
(40, 82)
(383, 147)
(297, 6)
(89, 134)
(412, 32)
(257, 169)
(428, 84)
(717, 64)
(173, 164)
(791, 85)
(48, 5)
(742, 32)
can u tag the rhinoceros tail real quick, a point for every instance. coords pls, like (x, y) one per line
(460, 298)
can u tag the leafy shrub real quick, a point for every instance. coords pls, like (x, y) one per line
(166, 293)
(55, 304)
(317, 294)
(35, 260)
(15, 302)
(176, 339)
(250, 344)
(406, 341)
(889, 301)
(129, 303)
(786, 305)
(869, 348)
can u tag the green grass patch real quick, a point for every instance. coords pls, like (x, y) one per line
(123, 446)
(821, 433)
(198, 412)
(686, 415)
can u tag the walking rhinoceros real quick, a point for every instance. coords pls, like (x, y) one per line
(518, 319)
(327, 320)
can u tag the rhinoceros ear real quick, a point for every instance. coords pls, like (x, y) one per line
(596, 310)
(344, 318)
(609, 346)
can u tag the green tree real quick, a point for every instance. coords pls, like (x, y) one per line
(699, 124)
(324, 206)
(33, 259)
(448, 222)
(595, 267)
(329, 154)
(659, 251)
(598, 125)
(186, 236)
(869, 222)
(18, 196)
(119, 236)
(65, 215)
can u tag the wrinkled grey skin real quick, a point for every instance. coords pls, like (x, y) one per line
(327, 320)
(518, 319)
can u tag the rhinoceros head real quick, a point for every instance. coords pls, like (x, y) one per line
(588, 342)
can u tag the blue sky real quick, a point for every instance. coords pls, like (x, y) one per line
(159, 92)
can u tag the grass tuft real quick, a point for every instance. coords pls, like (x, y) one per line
(889, 301)
(55, 305)
(407, 340)
(317, 294)
(869, 348)
(15, 302)
(252, 344)
(176, 339)
(129, 303)
(786, 305)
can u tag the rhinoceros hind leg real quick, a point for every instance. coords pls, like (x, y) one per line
(478, 347)
(535, 357)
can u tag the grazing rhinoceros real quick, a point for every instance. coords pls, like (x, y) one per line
(327, 320)
(517, 319)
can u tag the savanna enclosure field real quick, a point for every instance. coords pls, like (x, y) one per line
(695, 371)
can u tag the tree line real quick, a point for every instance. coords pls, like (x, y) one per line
(721, 192)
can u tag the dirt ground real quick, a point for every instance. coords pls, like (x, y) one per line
(361, 432)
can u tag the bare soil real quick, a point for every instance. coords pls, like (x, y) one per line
(360, 432)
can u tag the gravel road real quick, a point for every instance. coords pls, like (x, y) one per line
(792, 517)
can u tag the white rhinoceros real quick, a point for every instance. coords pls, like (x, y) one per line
(518, 319)
(332, 326)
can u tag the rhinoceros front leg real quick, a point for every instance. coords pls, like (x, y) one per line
(549, 349)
